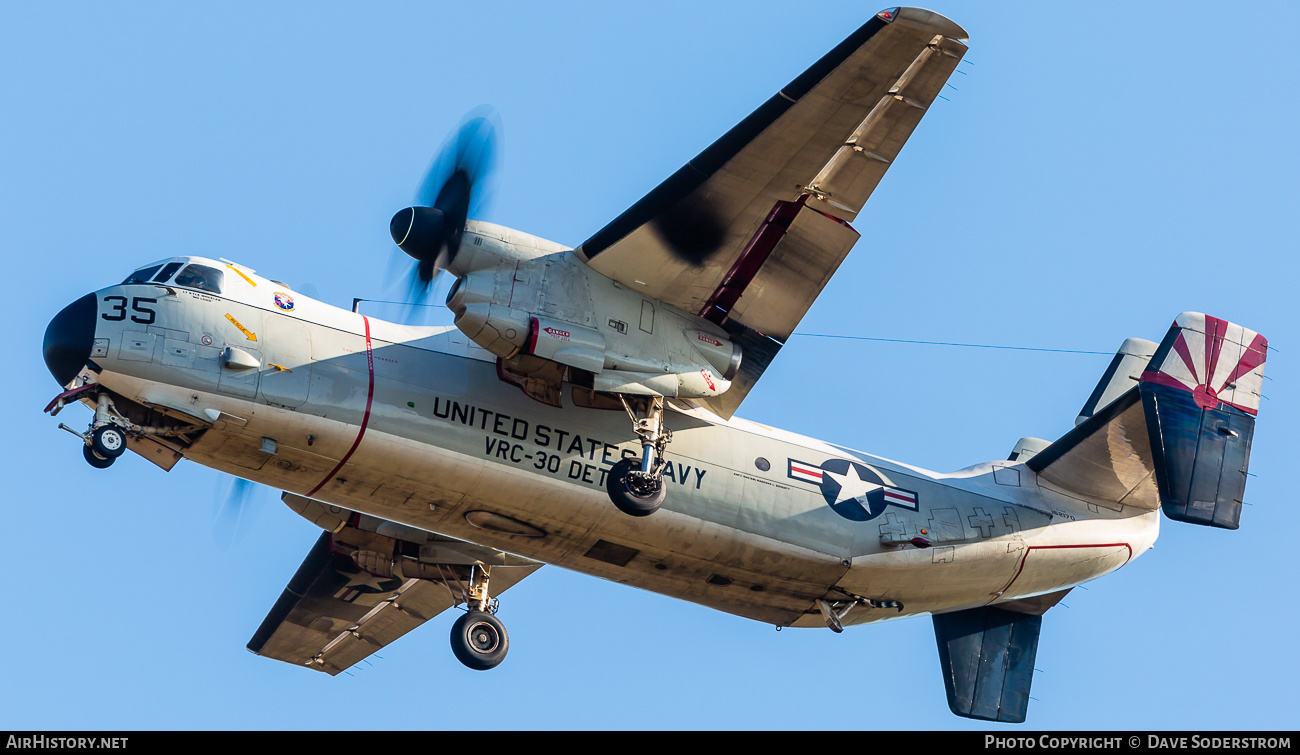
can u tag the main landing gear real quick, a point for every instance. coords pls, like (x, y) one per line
(479, 639)
(636, 486)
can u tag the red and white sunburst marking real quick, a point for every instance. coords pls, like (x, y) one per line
(1215, 361)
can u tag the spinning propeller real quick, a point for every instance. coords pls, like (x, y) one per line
(228, 522)
(430, 232)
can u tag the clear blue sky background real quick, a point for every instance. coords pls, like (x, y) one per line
(1099, 169)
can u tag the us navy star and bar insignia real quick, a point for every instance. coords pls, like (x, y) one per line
(854, 491)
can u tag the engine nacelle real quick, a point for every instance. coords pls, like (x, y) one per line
(612, 339)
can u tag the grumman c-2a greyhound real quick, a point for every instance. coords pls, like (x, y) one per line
(580, 411)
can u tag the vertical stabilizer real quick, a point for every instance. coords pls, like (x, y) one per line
(987, 657)
(1120, 377)
(1200, 395)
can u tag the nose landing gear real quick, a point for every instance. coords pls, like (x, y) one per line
(106, 438)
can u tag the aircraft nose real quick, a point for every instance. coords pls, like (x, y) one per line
(69, 339)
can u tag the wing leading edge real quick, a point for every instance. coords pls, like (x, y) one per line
(748, 233)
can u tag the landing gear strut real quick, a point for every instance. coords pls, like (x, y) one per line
(636, 486)
(479, 639)
(106, 438)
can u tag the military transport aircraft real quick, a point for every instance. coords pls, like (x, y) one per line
(580, 412)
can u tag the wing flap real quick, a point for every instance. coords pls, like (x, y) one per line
(794, 274)
(774, 300)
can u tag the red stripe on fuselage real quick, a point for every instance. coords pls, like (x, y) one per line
(365, 418)
(1032, 548)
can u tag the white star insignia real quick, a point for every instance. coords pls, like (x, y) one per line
(852, 485)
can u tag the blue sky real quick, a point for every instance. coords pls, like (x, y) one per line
(1097, 170)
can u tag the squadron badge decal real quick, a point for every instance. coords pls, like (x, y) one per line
(854, 491)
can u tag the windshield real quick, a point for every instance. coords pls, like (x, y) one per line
(201, 277)
(143, 275)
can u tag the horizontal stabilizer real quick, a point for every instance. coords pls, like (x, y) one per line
(1107, 458)
(987, 658)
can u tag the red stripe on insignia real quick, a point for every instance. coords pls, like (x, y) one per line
(365, 418)
(800, 469)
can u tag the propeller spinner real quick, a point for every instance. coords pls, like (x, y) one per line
(430, 232)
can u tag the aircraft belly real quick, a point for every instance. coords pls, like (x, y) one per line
(431, 486)
(1029, 562)
(675, 554)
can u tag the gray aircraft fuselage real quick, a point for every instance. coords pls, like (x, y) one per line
(416, 426)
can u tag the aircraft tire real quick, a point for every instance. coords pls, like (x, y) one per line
(618, 485)
(108, 441)
(479, 640)
(95, 460)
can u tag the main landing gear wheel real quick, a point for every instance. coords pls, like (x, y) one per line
(108, 441)
(479, 640)
(636, 486)
(633, 491)
(95, 460)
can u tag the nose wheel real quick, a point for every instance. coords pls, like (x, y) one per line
(95, 460)
(636, 486)
(108, 441)
(106, 438)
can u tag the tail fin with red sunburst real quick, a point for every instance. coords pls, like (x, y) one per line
(1200, 394)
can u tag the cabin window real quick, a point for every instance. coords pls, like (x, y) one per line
(141, 276)
(202, 277)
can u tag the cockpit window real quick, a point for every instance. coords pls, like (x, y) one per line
(201, 277)
(168, 271)
(141, 276)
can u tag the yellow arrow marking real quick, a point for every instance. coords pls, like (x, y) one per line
(241, 275)
(251, 335)
(279, 367)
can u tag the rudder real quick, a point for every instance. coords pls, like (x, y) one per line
(1200, 395)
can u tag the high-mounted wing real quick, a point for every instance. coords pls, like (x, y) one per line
(335, 613)
(748, 233)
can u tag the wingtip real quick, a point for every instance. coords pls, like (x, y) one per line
(930, 20)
